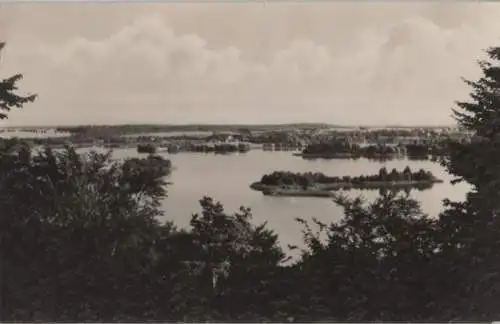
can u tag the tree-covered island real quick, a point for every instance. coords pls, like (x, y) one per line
(281, 183)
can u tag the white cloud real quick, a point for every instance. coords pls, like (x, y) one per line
(405, 68)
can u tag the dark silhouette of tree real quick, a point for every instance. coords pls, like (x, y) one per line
(473, 226)
(8, 100)
(81, 240)
(374, 263)
(407, 173)
(8, 97)
(233, 259)
(85, 223)
(383, 174)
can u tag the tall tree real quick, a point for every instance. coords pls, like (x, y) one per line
(8, 99)
(471, 229)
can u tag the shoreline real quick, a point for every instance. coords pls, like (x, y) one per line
(346, 155)
(326, 190)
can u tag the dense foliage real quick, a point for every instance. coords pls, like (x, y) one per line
(81, 240)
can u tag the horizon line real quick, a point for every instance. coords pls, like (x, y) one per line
(232, 125)
(264, 3)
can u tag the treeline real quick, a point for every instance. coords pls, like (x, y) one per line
(426, 151)
(152, 128)
(223, 148)
(345, 148)
(307, 179)
(342, 148)
(219, 148)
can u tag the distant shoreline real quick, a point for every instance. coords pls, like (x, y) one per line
(344, 155)
(194, 126)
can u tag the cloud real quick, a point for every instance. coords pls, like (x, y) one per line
(152, 66)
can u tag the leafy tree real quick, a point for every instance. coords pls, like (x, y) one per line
(95, 226)
(375, 263)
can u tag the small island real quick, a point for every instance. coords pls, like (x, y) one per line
(281, 183)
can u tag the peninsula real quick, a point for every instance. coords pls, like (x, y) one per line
(281, 183)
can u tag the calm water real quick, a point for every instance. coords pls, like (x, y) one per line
(226, 178)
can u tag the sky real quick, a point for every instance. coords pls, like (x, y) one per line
(343, 63)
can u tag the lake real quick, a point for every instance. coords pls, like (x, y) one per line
(226, 178)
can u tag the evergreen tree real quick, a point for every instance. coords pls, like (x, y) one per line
(383, 173)
(470, 230)
(407, 173)
(8, 97)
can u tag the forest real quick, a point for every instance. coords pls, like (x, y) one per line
(80, 240)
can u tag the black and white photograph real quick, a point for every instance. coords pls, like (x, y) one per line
(249, 161)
